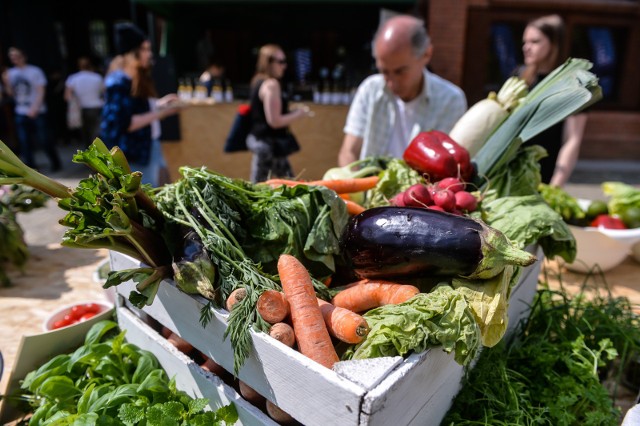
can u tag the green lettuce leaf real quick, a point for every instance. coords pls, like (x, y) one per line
(528, 220)
(439, 318)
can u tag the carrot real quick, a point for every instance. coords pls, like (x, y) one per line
(250, 394)
(236, 296)
(277, 414)
(308, 325)
(212, 367)
(282, 332)
(343, 324)
(345, 196)
(366, 294)
(353, 208)
(272, 306)
(180, 344)
(341, 186)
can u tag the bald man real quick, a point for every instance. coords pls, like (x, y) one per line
(391, 107)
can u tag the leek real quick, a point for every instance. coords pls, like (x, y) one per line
(473, 129)
(567, 90)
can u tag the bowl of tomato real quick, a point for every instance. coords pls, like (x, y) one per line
(605, 241)
(78, 313)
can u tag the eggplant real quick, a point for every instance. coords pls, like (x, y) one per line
(403, 242)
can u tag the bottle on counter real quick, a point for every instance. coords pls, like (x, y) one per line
(228, 92)
(216, 92)
(185, 90)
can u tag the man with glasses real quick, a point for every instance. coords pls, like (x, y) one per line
(391, 107)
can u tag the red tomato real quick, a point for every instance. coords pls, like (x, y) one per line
(608, 222)
(87, 316)
(77, 311)
(59, 324)
(92, 307)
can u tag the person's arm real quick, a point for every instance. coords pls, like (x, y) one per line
(5, 81)
(164, 110)
(270, 94)
(37, 103)
(567, 158)
(350, 150)
(68, 93)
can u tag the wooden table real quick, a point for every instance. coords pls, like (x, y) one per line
(204, 128)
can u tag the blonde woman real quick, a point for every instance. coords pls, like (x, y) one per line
(541, 47)
(270, 117)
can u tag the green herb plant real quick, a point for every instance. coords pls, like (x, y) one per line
(108, 381)
(550, 372)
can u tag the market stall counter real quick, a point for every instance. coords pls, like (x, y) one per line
(204, 128)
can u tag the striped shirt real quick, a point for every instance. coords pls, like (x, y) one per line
(374, 112)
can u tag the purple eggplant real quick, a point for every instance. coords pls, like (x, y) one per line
(404, 242)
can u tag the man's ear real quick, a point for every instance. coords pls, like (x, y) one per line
(428, 53)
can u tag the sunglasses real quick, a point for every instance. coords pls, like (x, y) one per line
(278, 61)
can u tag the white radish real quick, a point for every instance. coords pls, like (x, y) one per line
(474, 128)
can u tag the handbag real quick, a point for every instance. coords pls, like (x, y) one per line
(285, 145)
(74, 114)
(240, 128)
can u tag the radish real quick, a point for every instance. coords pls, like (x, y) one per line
(451, 183)
(466, 201)
(445, 198)
(398, 200)
(434, 207)
(417, 195)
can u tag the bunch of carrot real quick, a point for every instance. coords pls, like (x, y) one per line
(316, 321)
(343, 187)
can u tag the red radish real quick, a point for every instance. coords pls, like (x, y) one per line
(434, 207)
(398, 200)
(417, 195)
(453, 184)
(466, 201)
(445, 199)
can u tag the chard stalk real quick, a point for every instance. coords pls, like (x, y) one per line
(13, 170)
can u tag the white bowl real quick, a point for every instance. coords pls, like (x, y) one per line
(606, 248)
(104, 312)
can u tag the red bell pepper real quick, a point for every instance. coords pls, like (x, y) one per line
(608, 222)
(437, 156)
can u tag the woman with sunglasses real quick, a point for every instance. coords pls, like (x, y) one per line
(270, 117)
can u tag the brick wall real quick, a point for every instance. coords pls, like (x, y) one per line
(447, 28)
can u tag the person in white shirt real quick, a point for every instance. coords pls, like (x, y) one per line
(26, 84)
(86, 87)
(392, 107)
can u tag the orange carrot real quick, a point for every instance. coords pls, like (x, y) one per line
(180, 344)
(343, 324)
(345, 196)
(212, 367)
(353, 208)
(366, 294)
(277, 414)
(282, 332)
(272, 306)
(236, 296)
(250, 394)
(308, 325)
(341, 186)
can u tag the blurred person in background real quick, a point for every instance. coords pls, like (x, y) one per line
(270, 116)
(541, 44)
(131, 114)
(27, 84)
(86, 87)
(403, 99)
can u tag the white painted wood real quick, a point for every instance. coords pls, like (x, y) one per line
(188, 374)
(417, 390)
(523, 293)
(274, 370)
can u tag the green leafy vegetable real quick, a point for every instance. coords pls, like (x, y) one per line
(563, 203)
(529, 220)
(549, 373)
(439, 318)
(108, 381)
(395, 178)
(622, 197)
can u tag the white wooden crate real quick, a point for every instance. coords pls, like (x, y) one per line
(417, 390)
(189, 377)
